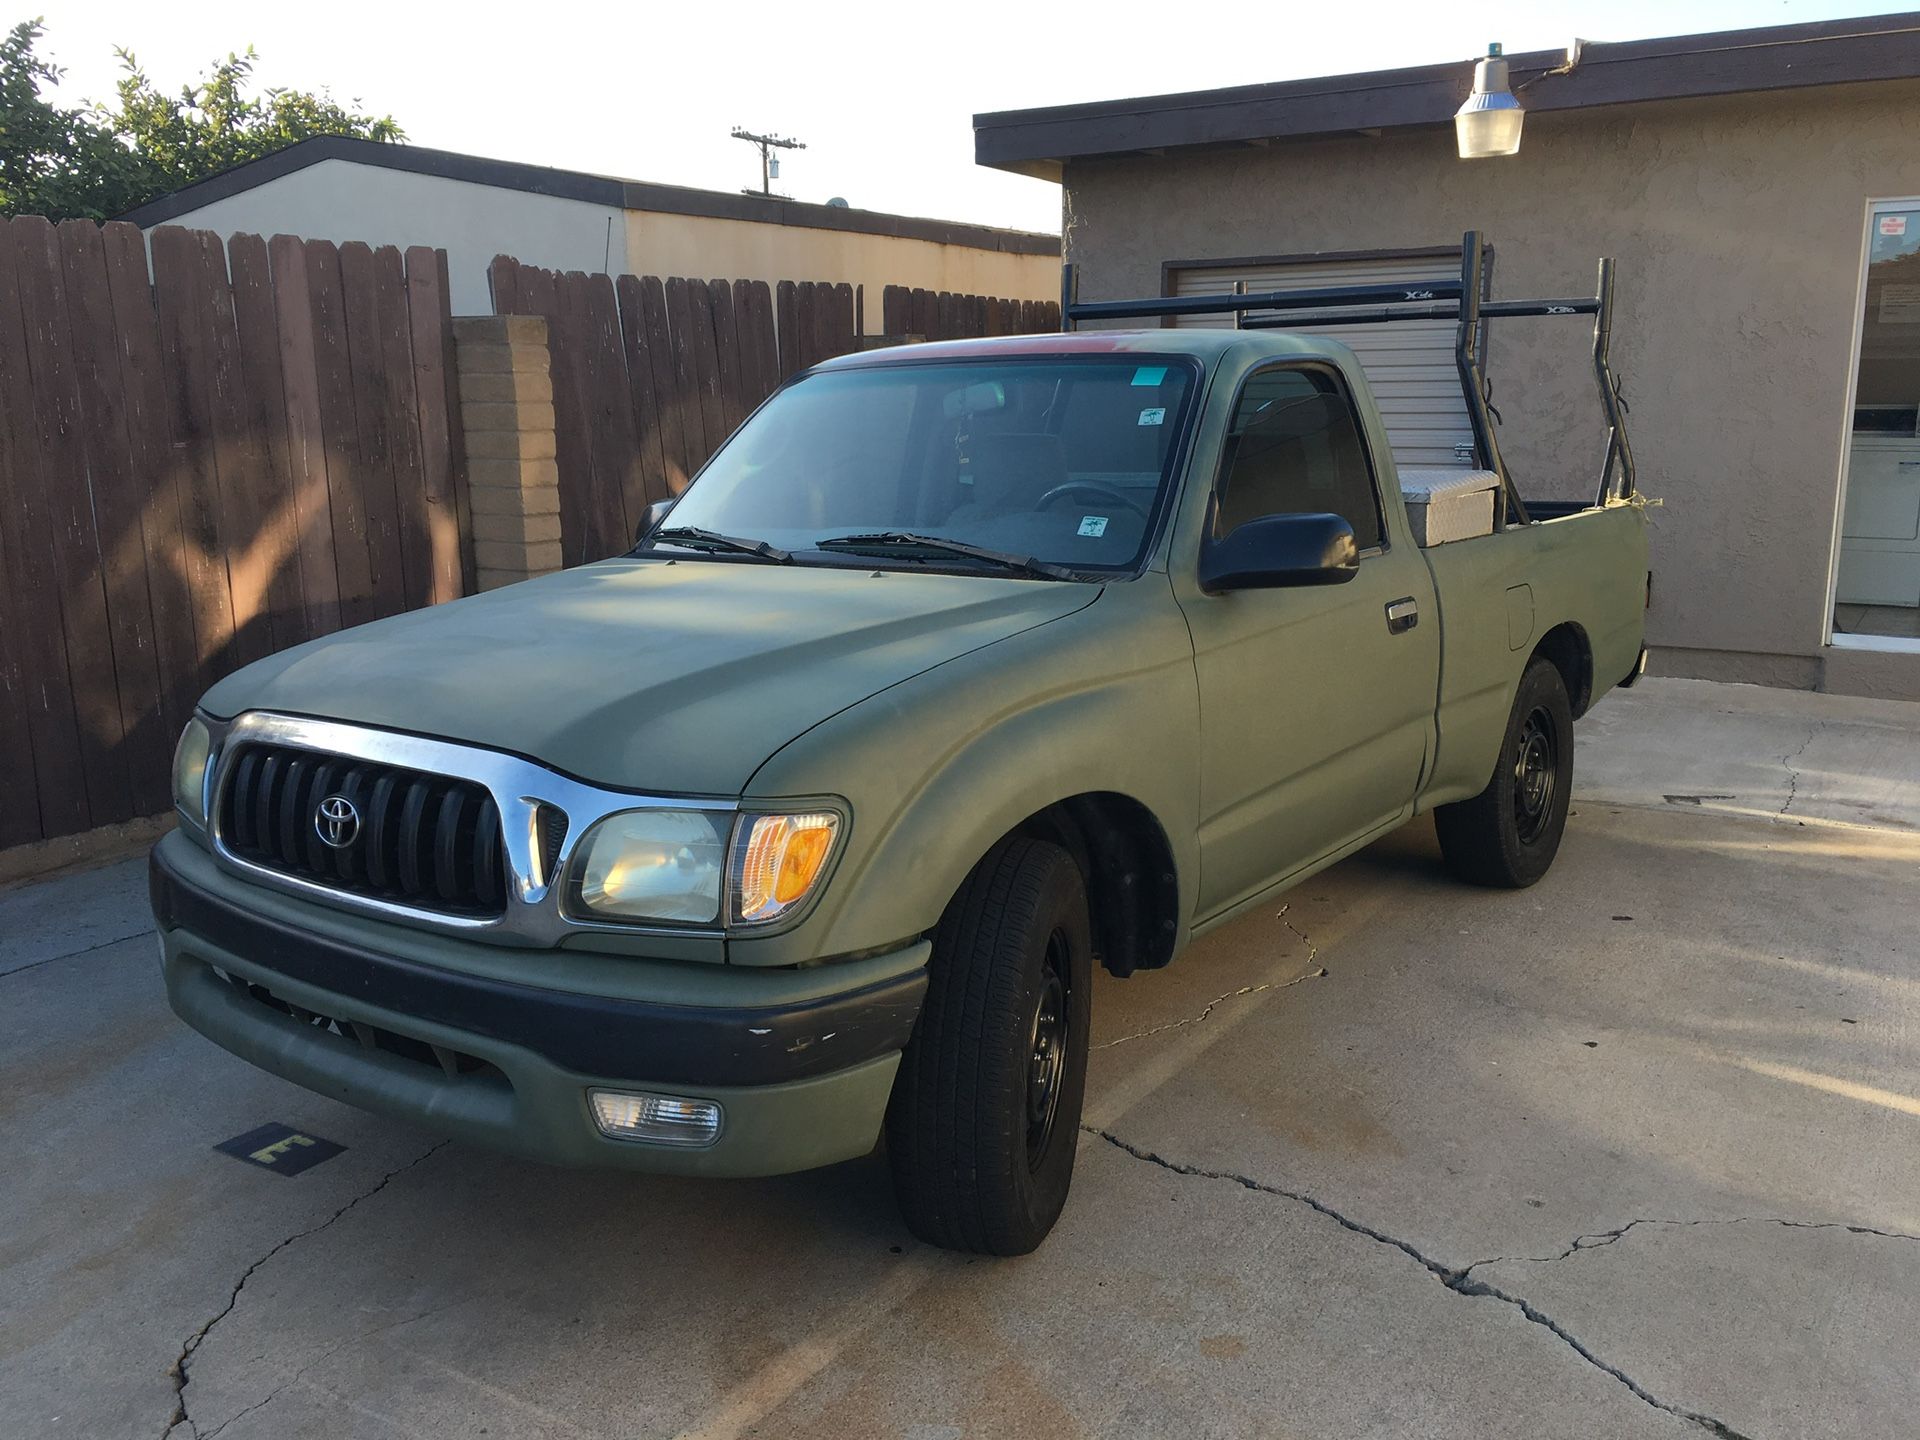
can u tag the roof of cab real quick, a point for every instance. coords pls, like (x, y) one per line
(1204, 344)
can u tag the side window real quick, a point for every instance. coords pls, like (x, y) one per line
(1294, 447)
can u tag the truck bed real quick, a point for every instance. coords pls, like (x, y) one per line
(1579, 566)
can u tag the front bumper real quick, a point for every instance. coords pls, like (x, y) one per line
(801, 1062)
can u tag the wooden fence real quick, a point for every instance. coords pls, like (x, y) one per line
(650, 375)
(943, 315)
(202, 461)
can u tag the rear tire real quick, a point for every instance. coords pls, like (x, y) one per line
(985, 1115)
(1508, 834)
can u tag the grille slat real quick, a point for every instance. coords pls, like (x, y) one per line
(287, 843)
(381, 869)
(412, 814)
(271, 768)
(422, 840)
(245, 775)
(446, 844)
(319, 860)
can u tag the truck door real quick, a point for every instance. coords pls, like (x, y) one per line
(1316, 703)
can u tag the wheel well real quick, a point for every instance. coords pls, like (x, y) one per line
(1132, 891)
(1566, 646)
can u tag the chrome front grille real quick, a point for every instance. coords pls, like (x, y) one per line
(431, 842)
(468, 839)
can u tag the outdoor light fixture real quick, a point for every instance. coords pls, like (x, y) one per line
(1489, 122)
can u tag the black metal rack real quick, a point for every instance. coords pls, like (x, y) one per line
(1461, 300)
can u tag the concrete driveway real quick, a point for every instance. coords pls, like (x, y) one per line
(1628, 1154)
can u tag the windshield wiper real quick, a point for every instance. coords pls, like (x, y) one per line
(885, 540)
(694, 538)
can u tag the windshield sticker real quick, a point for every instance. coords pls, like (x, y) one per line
(1150, 375)
(1093, 525)
(1156, 416)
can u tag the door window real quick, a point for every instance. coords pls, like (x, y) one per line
(1295, 448)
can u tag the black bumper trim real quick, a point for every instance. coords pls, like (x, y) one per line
(599, 1036)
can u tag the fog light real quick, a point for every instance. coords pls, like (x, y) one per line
(657, 1119)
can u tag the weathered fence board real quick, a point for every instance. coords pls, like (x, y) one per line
(26, 530)
(208, 451)
(944, 315)
(650, 376)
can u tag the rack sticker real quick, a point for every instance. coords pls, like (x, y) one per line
(1156, 416)
(1093, 525)
(1150, 375)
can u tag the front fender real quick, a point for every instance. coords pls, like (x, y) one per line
(938, 768)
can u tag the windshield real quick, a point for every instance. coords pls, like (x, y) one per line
(1061, 461)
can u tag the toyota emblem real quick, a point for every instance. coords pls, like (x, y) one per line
(336, 820)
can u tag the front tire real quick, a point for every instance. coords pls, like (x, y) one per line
(985, 1115)
(1508, 834)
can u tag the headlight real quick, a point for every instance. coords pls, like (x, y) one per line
(190, 772)
(676, 866)
(652, 865)
(777, 861)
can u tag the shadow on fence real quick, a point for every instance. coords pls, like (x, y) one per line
(202, 461)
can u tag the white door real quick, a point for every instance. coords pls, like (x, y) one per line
(1880, 519)
(1409, 363)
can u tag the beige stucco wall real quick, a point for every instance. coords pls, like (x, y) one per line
(340, 200)
(1738, 225)
(658, 244)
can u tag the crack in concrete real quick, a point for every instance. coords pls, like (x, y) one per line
(1455, 1280)
(1218, 1000)
(73, 954)
(1319, 972)
(1600, 1239)
(177, 1372)
(1793, 775)
(1313, 951)
(320, 1359)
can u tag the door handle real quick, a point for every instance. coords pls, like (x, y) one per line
(1402, 614)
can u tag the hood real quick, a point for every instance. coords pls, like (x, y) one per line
(643, 674)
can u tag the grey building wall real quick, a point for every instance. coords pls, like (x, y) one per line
(1738, 225)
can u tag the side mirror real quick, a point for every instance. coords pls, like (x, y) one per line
(1280, 550)
(654, 518)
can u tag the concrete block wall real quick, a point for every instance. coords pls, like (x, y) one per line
(506, 416)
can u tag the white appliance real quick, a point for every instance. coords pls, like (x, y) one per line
(1880, 534)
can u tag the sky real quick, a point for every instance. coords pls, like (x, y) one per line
(882, 94)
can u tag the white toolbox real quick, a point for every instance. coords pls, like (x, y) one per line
(1448, 504)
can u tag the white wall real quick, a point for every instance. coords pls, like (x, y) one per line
(339, 200)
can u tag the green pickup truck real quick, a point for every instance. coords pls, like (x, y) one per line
(960, 669)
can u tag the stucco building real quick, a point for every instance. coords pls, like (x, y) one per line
(1760, 191)
(339, 188)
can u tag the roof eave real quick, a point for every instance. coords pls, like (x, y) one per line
(1834, 52)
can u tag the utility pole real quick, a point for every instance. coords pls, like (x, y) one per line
(769, 162)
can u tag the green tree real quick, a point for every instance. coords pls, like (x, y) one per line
(55, 161)
(99, 160)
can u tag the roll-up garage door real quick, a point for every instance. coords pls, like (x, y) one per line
(1408, 363)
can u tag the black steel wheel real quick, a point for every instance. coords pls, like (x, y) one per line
(1051, 1047)
(985, 1115)
(1508, 834)
(1535, 776)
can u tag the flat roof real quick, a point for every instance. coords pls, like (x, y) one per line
(578, 185)
(1827, 52)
